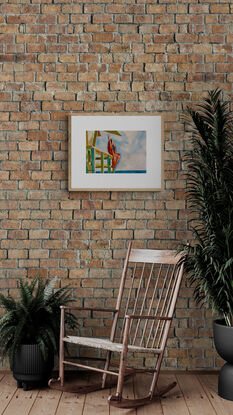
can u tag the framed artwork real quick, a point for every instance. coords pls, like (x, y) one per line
(115, 152)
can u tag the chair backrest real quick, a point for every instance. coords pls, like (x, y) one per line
(149, 287)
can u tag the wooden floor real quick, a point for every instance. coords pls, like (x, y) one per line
(195, 394)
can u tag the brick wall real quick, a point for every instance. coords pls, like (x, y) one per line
(137, 56)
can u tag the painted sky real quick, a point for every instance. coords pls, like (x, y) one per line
(131, 145)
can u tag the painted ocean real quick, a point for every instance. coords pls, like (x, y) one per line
(130, 171)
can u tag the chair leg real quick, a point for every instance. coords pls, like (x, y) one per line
(61, 348)
(121, 375)
(156, 375)
(61, 369)
(154, 382)
(106, 366)
(122, 368)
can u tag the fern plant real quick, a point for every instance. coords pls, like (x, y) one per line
(34, 318)
(209, 263)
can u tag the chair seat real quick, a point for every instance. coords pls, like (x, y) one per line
(107, 344)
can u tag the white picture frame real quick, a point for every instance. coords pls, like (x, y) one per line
(115, 152)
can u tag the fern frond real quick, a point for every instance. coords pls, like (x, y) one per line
(34, 317)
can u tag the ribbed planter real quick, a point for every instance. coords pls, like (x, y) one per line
(223, 340)
(29, 366)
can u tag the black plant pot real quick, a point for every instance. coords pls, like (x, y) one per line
(223, 340)
(29, 367)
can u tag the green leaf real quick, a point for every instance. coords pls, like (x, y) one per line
(209, 175)
(113, 132)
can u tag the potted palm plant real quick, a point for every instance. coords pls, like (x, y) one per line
(209, 263)
(29, 329)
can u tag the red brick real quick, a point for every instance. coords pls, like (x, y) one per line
(8, 263)
(122, 234)
(38, 234)
(219, 8)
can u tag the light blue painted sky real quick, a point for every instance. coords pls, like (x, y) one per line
(131, 145)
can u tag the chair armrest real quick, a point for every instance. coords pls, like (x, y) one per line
(137, 316)
(73, 307)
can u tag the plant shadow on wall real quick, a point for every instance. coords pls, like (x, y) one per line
(209, 263)
(30, 327)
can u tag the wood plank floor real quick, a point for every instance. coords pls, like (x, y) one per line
(194, 394)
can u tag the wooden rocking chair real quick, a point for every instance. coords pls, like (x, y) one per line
(142, 318)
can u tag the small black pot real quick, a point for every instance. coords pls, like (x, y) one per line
(30, 368)
(223, 340)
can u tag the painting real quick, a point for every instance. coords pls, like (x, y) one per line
(115, 152)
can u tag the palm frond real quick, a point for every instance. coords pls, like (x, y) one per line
(209, 176)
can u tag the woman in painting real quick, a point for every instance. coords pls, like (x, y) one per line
(112, 152)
